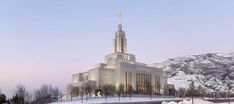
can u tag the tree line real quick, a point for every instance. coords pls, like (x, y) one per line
(49, 93)
(45, 94)
(84, 91)
(192, 92)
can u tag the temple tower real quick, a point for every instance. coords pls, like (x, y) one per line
(120, 41)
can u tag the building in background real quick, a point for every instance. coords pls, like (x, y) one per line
(121, 68)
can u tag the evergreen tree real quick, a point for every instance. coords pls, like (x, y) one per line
(2, 98)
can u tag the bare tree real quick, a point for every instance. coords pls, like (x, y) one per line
(149, 89)
(21, 93)
(82, 92)
(21, 90)
(120, 90)
(46, 94)
(43, 95)
(191, 90)
(108, 90)
(29, 97)
(182, 92)
(87, 90)
(130, 90)
(76, 90)
(55, 93)
(229, 85)
(70, 90)
(157, 87)
(201, 91)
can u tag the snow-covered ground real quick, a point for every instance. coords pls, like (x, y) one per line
(139, 99)
(196, 101)
(116, 100)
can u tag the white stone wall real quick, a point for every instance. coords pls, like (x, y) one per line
(106, 76)
(93, 75)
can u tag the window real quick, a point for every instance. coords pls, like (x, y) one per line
(128, 79)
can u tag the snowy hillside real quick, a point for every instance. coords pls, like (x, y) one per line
(211, 71)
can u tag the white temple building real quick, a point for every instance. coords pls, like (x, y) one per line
(120, 67)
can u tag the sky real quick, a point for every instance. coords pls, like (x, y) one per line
(46, 41)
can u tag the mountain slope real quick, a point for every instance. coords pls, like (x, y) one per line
(211, 71)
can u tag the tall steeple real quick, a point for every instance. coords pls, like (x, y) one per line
(120, 41)
(120, 21)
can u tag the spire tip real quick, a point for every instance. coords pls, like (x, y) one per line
(120, 17)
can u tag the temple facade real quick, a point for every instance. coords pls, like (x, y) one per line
(121, 68)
